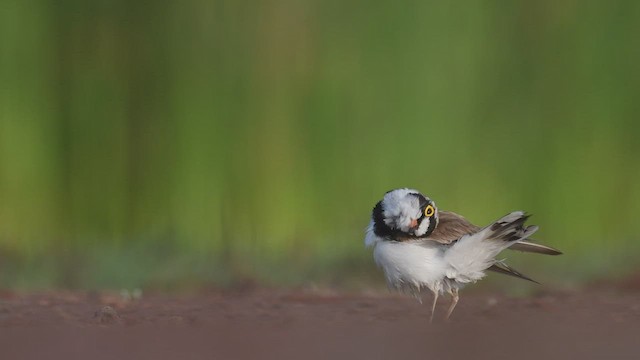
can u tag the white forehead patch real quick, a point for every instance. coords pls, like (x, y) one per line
(424, 226)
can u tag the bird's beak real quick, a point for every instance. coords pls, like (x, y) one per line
(414, 223)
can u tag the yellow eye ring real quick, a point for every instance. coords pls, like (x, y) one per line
(429, 211)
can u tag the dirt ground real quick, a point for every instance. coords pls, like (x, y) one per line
(597, 323)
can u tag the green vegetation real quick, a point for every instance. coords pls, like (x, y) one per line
(175, 144)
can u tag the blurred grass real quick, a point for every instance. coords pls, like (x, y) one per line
(182, 143)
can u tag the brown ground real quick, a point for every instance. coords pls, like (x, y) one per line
(599, 323)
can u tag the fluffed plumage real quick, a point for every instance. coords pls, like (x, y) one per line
(419, 246)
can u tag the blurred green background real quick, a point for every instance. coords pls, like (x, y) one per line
(194, 143)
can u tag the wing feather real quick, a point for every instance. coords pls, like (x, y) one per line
(502, 268)
(451, 227)
(526, 246)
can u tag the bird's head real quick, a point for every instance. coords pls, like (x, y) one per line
(404, 214)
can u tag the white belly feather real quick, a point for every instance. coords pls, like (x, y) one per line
(412, 264)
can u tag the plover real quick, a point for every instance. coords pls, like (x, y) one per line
(419, 246)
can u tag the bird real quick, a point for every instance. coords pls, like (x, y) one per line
(420, 247)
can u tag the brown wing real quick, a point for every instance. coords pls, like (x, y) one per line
(451, 227)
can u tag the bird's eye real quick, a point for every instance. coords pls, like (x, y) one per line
(429, 210)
